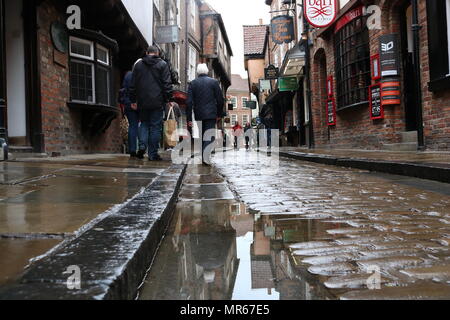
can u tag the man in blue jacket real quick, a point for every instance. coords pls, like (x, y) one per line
(151, 89)
(205, 99)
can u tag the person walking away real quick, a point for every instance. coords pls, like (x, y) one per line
(248, 127)
(151, 90)
(267, 119)
(206, 101)
(130, 113)
(237, 132)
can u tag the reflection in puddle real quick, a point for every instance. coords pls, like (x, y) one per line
(218, 250)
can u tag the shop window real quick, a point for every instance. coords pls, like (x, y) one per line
(90, 72)
(352, 53)
(438, 12)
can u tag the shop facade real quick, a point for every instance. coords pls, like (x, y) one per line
(59, 86)
(382, 88)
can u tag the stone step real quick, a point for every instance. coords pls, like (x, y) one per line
(409, 137)
(409, 146)
(16, 149)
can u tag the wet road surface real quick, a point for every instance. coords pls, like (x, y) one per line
(307, 231)
(43, 202)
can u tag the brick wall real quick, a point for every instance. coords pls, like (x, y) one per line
(354, 128)
(62, 126)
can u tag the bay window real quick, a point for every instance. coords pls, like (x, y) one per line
(90, 72)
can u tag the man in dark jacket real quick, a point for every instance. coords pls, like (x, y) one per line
(206, 99)
(152, 89)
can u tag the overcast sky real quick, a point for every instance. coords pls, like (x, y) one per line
(235, 14)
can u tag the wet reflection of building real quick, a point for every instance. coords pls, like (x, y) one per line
(273, 267)
(199, 255)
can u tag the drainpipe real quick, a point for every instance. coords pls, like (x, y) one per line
(308, 84)
(416, 42)
(3, 130)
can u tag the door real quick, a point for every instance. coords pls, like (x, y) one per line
(410, 95)
(15, 73)
(2, 74)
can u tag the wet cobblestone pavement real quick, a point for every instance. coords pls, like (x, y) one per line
(306, 232)
(44, 201)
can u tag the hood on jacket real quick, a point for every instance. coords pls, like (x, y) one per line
(151, 60)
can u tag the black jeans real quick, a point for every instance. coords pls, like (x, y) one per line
(207, 125)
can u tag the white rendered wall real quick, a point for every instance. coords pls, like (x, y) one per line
(142, 13)
(15, 65)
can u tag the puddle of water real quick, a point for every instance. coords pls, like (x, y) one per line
(219, 250)
(15, 255)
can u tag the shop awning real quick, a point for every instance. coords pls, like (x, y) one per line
(294, 61)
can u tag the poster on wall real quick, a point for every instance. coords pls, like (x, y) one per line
(375, 67)
(376, 108)
(330, 89)
(389, 55)
(331, 112)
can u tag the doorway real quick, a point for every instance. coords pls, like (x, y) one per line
(3, 115)
(15, 73)
(411, 97)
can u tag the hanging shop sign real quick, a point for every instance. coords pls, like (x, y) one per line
(271, 73)
(288, 84)
(264, 85)
(320, 13)
(389, 55)
(167, 34)
(375, 67)
(250, 105)
(330, 88)
(376, 108)
(282, 29)
(390, 92)
(331, 112)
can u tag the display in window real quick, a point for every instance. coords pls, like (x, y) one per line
(330, 88)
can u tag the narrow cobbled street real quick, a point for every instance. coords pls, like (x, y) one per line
(308, 231)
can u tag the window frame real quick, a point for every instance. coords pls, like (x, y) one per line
(193, 53)
(95, 64)
(243, 100)
(438, 18)
(233, 122)
(245, 116)
(235, 103)
(348, 40)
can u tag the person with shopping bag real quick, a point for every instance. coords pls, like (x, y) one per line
(171, 125)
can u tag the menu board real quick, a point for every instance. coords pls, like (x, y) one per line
(331, 112)
(376, 108)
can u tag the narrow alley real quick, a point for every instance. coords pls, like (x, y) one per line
(307, 232)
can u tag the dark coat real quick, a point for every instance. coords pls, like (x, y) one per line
(151, 86)
(125, 91)
(205, 97)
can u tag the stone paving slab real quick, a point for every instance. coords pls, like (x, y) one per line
(412, 165)
(113, 254)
